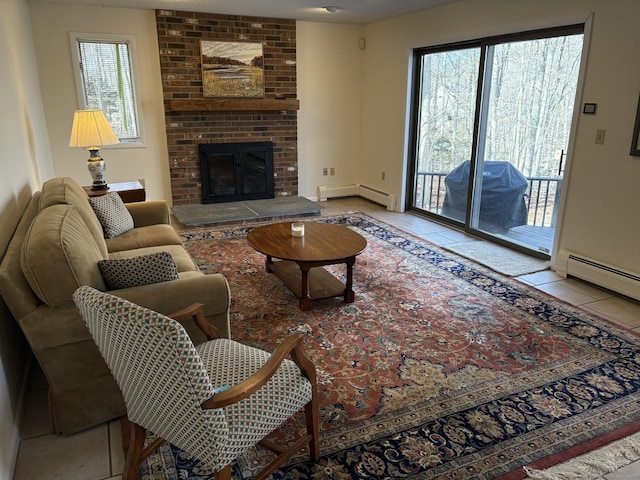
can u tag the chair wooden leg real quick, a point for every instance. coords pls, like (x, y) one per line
(312, 417)
(224, 474)
(311, 410)
(134, 453)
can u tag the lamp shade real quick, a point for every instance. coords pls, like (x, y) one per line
(91, 129)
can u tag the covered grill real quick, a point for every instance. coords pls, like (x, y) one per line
(502, 200)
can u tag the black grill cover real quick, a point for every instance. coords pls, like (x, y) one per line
(502, 200)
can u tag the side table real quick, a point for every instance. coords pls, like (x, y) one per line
(128, 191)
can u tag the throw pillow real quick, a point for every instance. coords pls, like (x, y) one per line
(113, 215)
(130, 272)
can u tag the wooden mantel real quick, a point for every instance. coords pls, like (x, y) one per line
(233, 104)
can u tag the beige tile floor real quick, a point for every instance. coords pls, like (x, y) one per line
(96, 454)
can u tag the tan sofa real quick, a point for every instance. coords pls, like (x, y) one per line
(54, 250)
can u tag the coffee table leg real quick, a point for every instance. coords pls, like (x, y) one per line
(305, 297)
(268, 263)
(349, 296)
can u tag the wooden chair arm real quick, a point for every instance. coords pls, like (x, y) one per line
(196, 312)
(292, 345)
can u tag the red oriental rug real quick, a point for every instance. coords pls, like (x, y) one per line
(439, 369)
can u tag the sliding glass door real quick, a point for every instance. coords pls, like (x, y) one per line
(445, 127)
(491, 126)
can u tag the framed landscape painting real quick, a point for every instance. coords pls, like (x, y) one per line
(232, 69)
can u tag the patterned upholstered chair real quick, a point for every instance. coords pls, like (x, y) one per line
(179, 392)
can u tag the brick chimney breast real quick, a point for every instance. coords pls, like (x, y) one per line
(179, 37)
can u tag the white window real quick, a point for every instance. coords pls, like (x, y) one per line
(104, 74)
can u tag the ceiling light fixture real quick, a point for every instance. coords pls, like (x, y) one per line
(332, 8)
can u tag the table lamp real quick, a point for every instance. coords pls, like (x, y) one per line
(91, 130)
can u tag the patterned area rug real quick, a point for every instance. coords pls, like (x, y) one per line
(440, 368)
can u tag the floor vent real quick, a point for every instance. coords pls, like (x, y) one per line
(383, 198)
(598, 273)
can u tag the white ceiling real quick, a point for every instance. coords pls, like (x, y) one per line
(350, 11)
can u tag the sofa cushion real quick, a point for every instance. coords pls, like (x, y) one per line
(59, 254)
(141, 237)
(66, 191)
(113, 215)
(142, 270)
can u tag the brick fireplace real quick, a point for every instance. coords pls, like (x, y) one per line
(192, 119)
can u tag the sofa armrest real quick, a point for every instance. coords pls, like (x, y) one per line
(151, 212)
(167, 297)
(51, 327)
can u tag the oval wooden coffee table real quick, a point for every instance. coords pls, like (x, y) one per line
(322, 244)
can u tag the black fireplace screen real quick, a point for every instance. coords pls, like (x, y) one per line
(236, 171)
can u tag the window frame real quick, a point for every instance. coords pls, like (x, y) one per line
(74, 39)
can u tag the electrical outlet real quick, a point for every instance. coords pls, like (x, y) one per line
(332, 171)
(383, 175)
(324, 172)
(600, 136)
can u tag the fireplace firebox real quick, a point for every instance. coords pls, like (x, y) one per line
(236, 171)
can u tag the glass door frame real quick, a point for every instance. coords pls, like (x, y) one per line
(474, 182)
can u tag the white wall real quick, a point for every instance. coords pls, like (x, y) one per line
(602, 196)
(51, 27)
(329, 68)
(25, 159)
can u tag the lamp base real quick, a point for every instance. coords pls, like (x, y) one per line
(97, 168)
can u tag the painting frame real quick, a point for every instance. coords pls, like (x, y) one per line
(635, 142)
(232, 69)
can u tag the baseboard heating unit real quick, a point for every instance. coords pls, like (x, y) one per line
(351, 190)
(383, 198)
(599, 273)
(335, 191)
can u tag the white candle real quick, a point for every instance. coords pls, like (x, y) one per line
(297, 229)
